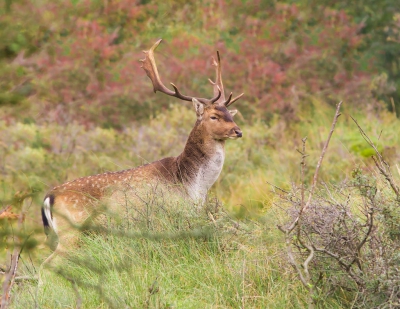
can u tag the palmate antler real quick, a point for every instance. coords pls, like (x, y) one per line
(150, 67)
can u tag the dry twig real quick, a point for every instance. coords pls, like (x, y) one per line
(10, 274)
(315, 178)
(302, 269)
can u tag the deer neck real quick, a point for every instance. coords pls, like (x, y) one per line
(200, 163)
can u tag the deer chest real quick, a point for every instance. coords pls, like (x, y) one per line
(207, 174)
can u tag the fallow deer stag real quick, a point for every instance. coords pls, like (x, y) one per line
(194, 170)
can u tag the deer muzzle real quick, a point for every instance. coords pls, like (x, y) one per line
(235, 133)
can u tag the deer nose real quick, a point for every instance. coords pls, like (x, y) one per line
(238, 132)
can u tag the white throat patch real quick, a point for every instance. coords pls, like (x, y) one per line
(208, 173)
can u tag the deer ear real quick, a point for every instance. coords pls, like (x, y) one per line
(198, 107)
(233, 112)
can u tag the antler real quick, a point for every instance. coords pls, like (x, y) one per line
(218, 79)
(229, 102)
(149, 65)
(218, 85)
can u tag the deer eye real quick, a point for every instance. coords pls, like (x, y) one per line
(214, 118)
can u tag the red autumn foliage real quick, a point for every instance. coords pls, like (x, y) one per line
(87, 70)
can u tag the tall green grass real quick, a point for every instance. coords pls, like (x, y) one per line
(184, 259)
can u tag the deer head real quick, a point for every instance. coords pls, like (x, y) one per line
(213, 116)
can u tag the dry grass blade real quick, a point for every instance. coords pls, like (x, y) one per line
(380, 162)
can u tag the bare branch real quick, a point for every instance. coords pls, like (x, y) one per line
(315, 178)
(11, 273)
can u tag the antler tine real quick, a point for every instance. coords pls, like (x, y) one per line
(178, 94)
(226, 103)
(150, 67)
(218, 85)
(229, 102)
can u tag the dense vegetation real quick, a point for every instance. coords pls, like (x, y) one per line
(74, 102)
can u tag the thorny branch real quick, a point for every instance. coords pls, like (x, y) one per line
(303, 269)
(12, 271)
(315, 178)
